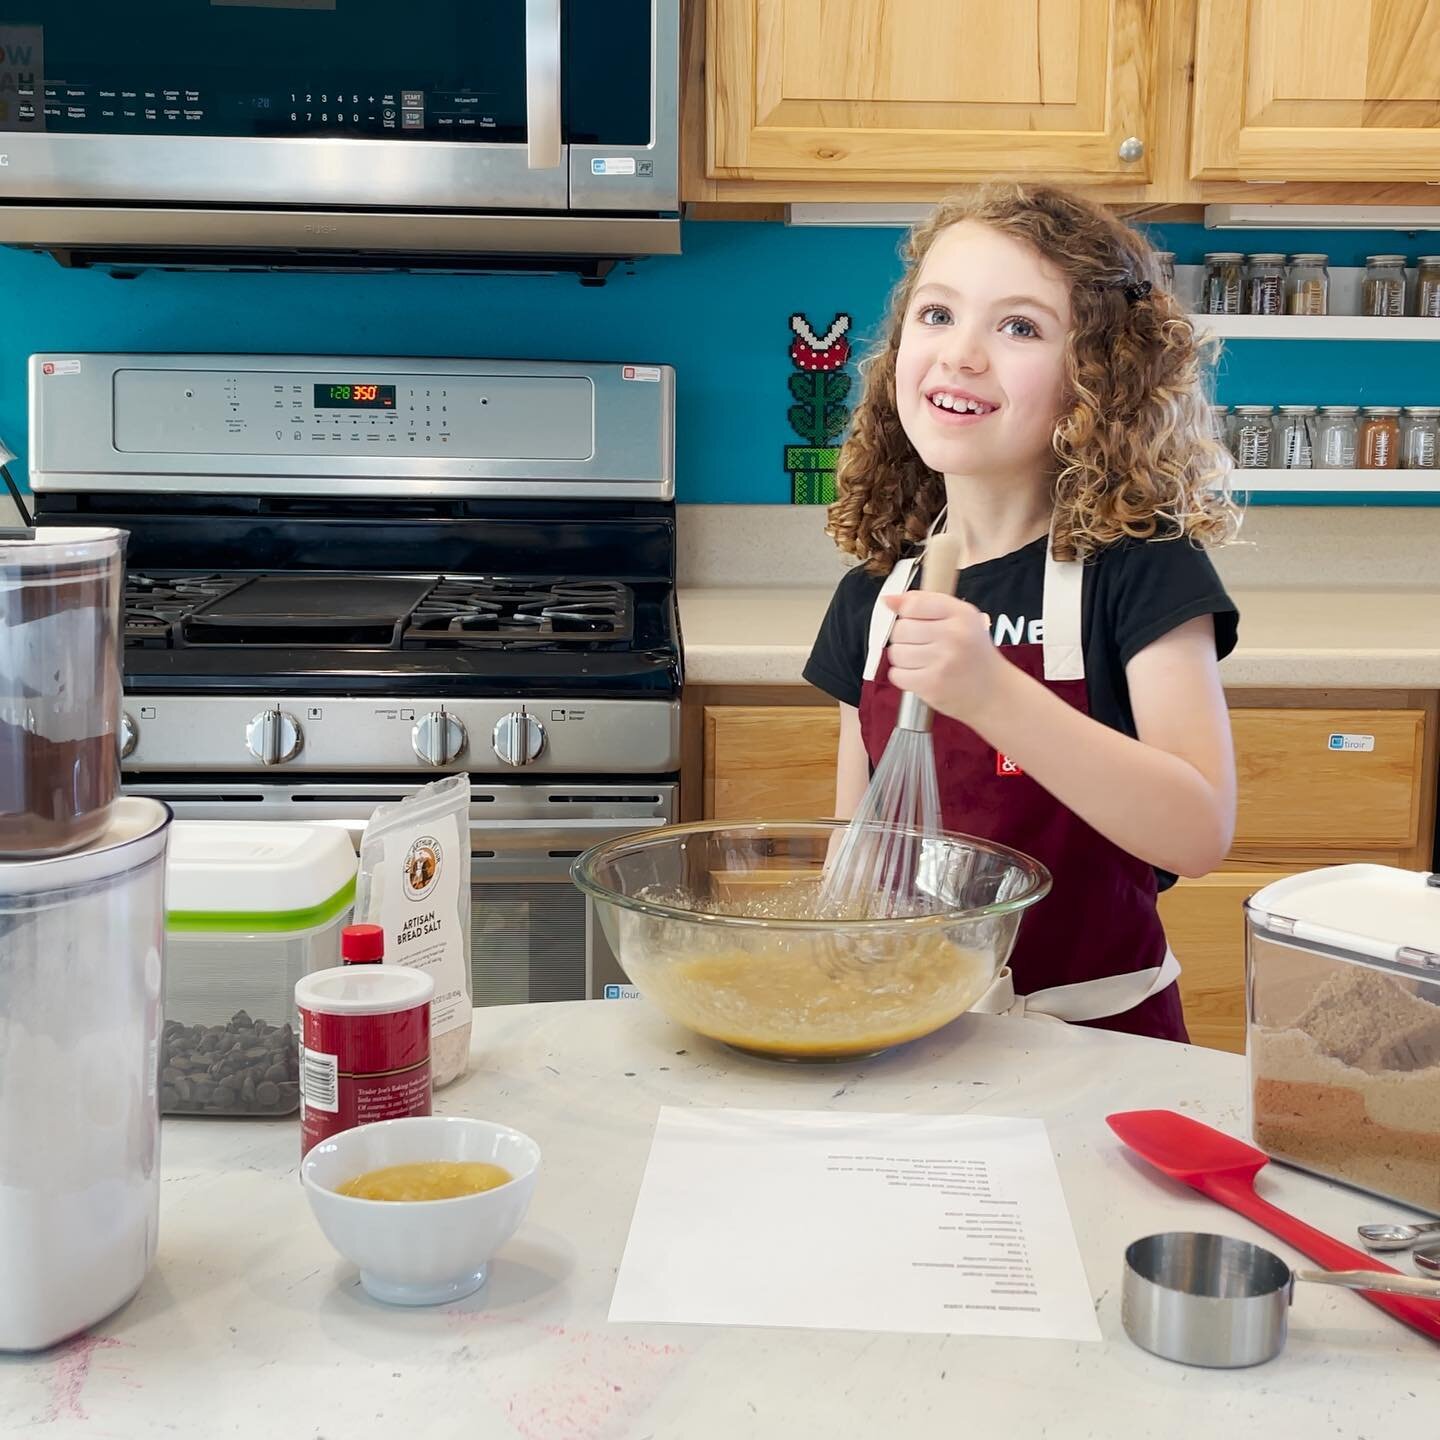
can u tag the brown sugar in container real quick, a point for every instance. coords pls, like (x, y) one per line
(1343, 968)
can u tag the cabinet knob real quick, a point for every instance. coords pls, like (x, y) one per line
(1132, 148)
(438, 738)
(129, 735)
(273, 737)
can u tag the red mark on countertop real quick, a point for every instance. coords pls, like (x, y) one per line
(70, 1372)
(600, 1387)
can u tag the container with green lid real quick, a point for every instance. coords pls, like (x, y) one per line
(251, 907)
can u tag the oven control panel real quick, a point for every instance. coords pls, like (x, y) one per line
(383, 426)
(295, 734)
(345, 411)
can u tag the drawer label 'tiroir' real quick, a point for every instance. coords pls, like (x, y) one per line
(1352, 742)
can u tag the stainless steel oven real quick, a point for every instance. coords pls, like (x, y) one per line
(346, 578)
(533, 936)
(512, 126)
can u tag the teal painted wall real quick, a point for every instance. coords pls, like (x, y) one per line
(719, 313)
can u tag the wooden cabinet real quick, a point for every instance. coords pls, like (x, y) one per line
(770, 762)
(1319, 784)
(932, 91)
(1205, 922)
(1332, 781)
(904, 100)
(1316, 90)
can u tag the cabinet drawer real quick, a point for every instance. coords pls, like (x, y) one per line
(1205, 925)
(1298, 789)
(770, 762)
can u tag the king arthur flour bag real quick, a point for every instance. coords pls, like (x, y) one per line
(414, 883)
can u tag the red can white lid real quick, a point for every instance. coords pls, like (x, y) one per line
(364, 990)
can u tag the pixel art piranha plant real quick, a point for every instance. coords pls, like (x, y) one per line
(819, 415)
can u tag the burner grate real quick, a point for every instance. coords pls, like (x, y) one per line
(502, 611)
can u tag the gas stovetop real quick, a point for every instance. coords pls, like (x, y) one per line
(371, 634)
(383, 612)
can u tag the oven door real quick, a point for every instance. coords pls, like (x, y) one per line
(342, 103)
(533, 935)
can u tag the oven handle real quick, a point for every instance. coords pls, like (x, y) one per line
(587, 832)
(542, 83)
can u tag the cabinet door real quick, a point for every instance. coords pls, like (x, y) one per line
(1317, 90)
(928, 90)
(1316, 780)
(770, 762)
(1205, 924)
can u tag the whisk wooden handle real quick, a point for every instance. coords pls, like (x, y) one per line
(940, 565)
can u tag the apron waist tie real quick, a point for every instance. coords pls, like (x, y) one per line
(1085, 1000)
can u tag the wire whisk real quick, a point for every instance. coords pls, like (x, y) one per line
(878, 869)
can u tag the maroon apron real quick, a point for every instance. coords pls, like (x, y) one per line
(1099, 919)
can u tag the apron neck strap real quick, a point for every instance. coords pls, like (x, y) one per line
(1062, 608)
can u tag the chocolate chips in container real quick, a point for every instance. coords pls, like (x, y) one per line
(252, 907)
(244, 1067)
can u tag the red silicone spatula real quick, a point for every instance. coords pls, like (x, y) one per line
(1224, 1168)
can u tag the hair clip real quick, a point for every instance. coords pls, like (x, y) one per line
(1137, 291)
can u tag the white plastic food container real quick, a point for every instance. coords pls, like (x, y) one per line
(1344, 1027)
(250, 908)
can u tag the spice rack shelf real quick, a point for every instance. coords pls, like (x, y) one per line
(1336, 482)
(1316, 327)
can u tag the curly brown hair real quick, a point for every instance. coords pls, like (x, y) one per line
(1136, 452)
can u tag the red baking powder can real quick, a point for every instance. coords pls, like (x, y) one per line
(364, 1047)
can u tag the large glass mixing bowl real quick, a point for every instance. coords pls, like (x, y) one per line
(723, 928)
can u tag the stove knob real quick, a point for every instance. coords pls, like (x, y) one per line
(274, 736)
(129, 735)
(438, 738)
(519, 738)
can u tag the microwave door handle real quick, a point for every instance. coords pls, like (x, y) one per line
(542, 83)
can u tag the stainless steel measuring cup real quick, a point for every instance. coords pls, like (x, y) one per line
(1217, 1301)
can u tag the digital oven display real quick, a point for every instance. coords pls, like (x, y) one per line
(354, 395)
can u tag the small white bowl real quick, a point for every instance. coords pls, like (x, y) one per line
(420, 1252)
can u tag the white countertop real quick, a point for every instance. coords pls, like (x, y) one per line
(1305, 639)
(250, 1326)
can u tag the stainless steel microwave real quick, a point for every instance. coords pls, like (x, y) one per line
(337, 133)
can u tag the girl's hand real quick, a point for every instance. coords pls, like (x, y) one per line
(941, 649)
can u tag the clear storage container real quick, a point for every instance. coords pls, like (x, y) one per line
(1343, 968)
(81, 940)
(251, 907)
(59, 688)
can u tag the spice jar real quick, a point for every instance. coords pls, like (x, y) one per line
(1420, 438)
(1427, 287)
(1335, 437)
(1165, 263)
(365, 1047)
(1220, 424)
(1307, 286)
(1265, 285)
(1379, 440)
(1382, 291)
(362, 945)
(1254, 438)
(1295, 437)
(1224, 283)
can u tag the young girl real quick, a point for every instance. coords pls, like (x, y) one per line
(1039, 397)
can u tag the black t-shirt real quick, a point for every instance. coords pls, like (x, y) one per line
(1134, 591)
